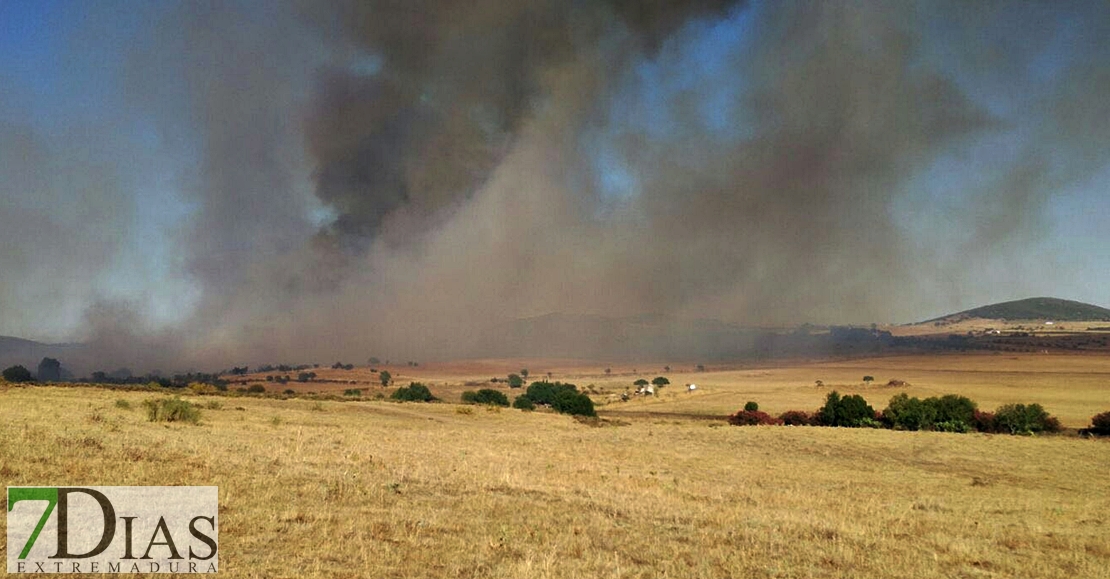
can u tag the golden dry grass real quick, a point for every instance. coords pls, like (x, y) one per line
(375, 489)
(1072, 387)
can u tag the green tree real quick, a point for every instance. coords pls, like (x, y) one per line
(50, 370)
(640, 382)
(524, 403)
(660, 381)
(851, 411)
(485, 396)
(953, 408)
(1024, 419)
(414, 392)
(385, 377)
(573, 403)
(515, 381)
(751, 406)
(909, 413)
(868, 379)
(18, 374)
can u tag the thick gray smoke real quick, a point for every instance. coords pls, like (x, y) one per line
(473, 163)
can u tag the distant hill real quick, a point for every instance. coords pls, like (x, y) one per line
(29, 353)
(1034, 309)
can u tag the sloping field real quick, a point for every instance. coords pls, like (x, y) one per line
(375, 489)
(1072, 387)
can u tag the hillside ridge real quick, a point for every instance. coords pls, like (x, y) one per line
(1039, 308)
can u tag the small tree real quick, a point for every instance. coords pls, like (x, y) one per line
(414, 392)
(574, 403)
(485, 396)
(524, 403)
(1024, 419)
(868, 379)
(385, 377)
(906, 413)
(18, 374)
(751, 406)
(50, 370)
(660, 381)
(851, 411)
(524, 372)
(640, 383)
(515, 381)
(1100, 423)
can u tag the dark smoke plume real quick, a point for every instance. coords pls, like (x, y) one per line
(403, 178)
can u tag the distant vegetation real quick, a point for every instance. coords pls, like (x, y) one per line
(949, 413)
(1100, 424)
(171, 410)
(414, 392)
(50, 370)
(18, 374)
(563, 398)
(1037, 309)
(485, 396)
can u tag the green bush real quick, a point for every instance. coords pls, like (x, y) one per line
(909, 413)
(256, 389)
(17, 374)
(171, 410)
(524, 403)
(414, 392)
(1024, 419)
(563, 398)
(751, 406)
(123, 404)
(953, 426)
(545, 392)
(515, 381)
(352, 392)
(574, 403)
(953, 408)
(1100, 423)
(851, 411)
(485, 396)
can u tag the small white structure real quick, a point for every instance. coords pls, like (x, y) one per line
(691, 387)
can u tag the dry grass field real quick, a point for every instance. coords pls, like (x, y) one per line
(379, 489)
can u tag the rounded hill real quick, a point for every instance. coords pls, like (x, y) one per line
(1035, 309)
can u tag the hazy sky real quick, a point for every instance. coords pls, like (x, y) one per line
(288, 174)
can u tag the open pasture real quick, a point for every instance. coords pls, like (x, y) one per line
(380, 489)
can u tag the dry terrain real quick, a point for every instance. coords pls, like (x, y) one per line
(380, 489)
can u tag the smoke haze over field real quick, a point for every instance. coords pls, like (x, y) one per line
(219, 183)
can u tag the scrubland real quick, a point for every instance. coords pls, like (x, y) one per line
(381, 489)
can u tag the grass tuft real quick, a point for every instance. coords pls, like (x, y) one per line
(171, 410)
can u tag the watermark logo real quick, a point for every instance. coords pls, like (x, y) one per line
(113, 530)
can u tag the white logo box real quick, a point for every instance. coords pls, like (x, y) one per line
(74, 529)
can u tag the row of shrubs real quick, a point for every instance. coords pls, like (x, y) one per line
(949, 413)
(560, 397)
